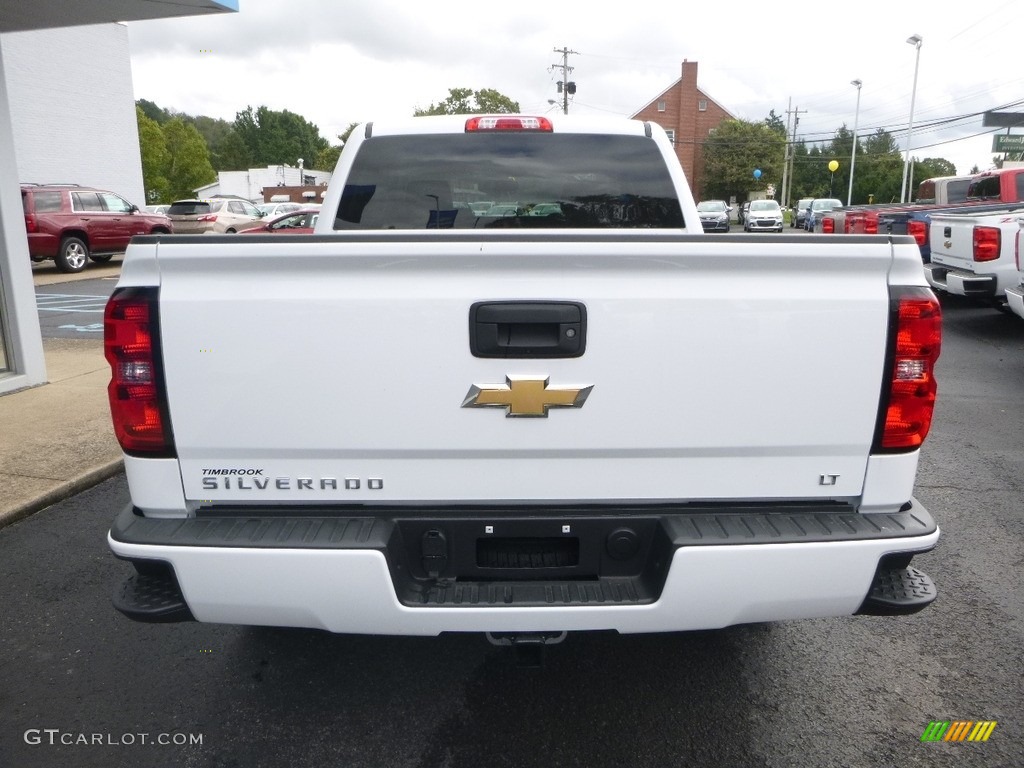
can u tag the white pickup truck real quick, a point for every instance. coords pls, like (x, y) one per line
(974, 255)
(566, 410)
(1015, 293)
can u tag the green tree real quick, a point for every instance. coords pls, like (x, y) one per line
(774, 122)
(156, 158)
(465, 101)
(230, 153)
(189, 166)
(328, 158)
(931, 167)
(152, 111)
(880, 169)
(734, 151)
(277, 137)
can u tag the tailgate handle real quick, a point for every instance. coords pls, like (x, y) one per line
(527, 329)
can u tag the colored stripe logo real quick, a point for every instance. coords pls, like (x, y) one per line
(958, 730)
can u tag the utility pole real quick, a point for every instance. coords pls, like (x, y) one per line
(792, 152)
(785, 156)
(564, 86)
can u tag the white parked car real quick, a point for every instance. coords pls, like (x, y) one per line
(271, 210)
(763, 216)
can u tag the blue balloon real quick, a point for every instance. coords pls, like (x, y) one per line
(757, 173)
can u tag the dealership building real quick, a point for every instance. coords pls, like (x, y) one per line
(67, 115)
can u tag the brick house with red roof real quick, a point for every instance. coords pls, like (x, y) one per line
(688, 115)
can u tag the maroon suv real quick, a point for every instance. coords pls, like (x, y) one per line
(72, 224)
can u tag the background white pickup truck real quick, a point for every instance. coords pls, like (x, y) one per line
(1015, 293)
(973, 255)
(568, 410)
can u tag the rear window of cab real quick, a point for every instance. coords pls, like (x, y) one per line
(509, 180)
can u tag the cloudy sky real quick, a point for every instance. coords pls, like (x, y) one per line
(336, 62)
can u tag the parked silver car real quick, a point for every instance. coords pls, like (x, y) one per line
(763, 216)
(714, 215)
(800, 212)
(817, 208)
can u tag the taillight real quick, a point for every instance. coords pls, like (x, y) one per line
(828, 226)
(508, 123)
(131, 344)
(208, 217)
(986, 243)
(919, 231)
(909, 397)
(31, 225)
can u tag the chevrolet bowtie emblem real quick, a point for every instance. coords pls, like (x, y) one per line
(525, 396)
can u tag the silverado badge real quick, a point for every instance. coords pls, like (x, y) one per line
(525, 396)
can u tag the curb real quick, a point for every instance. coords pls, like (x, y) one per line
(63, 491)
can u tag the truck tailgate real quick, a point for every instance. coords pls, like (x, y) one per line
(335, 369)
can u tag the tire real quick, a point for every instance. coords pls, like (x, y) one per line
(72, 256)
(102, 259)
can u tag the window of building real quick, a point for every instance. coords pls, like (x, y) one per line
(672, 137)
(661, 106)
(702, 105)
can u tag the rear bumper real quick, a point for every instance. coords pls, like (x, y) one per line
(43, 245)
(1015, 299)
(959, 282)
(683, 571)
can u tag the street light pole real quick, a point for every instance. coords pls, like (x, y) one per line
(914, 40)
(853, 157)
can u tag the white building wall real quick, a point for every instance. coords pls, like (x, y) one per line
(73, 108)
(249, 184)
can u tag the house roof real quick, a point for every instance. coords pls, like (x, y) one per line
(675, 85)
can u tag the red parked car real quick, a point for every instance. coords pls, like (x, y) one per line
(299, 222)
(72, 224)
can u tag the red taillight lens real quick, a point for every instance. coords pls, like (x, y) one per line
(919, 231)
(986, 243)
(828, 225)
(136, 391)
(208, 217)
(907, 414)
(509, 123)
(31, 225)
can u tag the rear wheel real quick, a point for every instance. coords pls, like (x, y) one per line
(72, 255)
